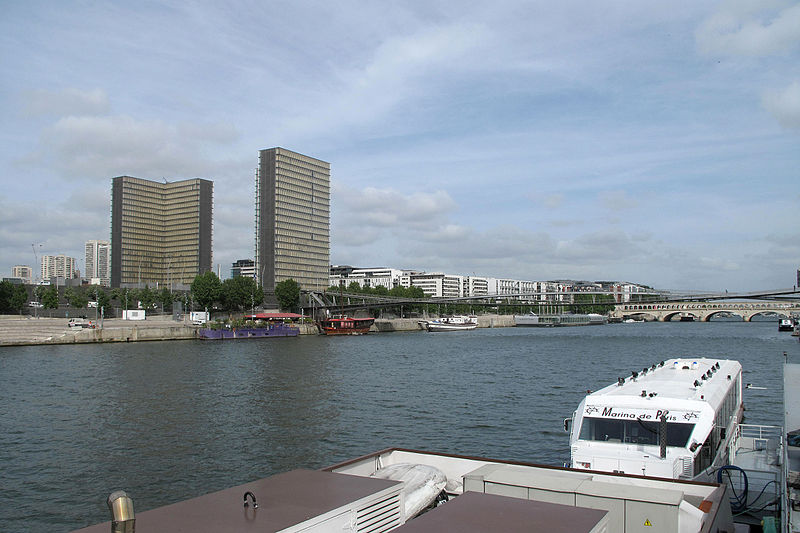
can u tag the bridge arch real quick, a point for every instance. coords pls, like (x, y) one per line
(664, 311)
(726, 311)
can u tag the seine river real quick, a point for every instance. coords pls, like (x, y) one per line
(171, 420)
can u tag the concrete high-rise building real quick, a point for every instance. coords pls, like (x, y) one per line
(98, 263)
(160, 232)
(23, 272)
(58, 266)
(292, 220)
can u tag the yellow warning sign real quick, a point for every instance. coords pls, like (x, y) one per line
(647, 522)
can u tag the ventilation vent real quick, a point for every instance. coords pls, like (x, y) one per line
(379, 516)
(688, 467)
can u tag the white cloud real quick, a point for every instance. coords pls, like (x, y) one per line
(784, 105)
(65, 102)
(400, 67)
(617, 200)
(388, 208)
(750, 28)
(88, 147)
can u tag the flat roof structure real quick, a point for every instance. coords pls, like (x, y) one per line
(476, 512)
(284, 500)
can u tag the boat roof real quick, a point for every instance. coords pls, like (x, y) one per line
(476, 512)
(284, 500)
(273, 316)
(696, 379)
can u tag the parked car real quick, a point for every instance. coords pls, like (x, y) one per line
(35, 304)
(80, 323)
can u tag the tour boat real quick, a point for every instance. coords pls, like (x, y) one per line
(345, 325)
(675, 419)
(451, 323)
(566, 319)
(785, 324)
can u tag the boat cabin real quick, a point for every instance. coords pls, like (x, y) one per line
(675, 419)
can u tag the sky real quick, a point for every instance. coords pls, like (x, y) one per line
(650, 142)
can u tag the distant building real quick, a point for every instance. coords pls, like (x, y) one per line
(58, 266)
(442, 285)
(23, 272)
(439, 285)
(365, 277)
(160, 232)
(292, 223)
(98, 263)
(243, 267)
(475, 286)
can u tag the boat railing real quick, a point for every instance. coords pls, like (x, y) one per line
(759, 452)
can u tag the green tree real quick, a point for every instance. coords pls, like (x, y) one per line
(593, 303)
(165, 298)
(354, 287)
(69, 294)
(18, 298)
(6, 292)
(206, 289)
(77, 298)
(39, 292)
(380, 290)
(240, 293)
(102, 299)
(288, 294)
(147, 297)
(124, 297)
(50, 298)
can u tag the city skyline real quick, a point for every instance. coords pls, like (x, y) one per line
(657, 144)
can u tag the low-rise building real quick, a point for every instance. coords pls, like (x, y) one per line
(442, 285)
(439, 285)
(342, 276)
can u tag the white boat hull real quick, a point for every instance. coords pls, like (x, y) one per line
(432, 326)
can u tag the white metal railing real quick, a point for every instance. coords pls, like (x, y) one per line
(760, 432)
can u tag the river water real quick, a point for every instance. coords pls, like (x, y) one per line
(166, 421)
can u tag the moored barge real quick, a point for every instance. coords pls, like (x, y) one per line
(345, 325)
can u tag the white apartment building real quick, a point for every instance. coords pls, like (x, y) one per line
(439, 285)
(366, 277)
(98, 263)
(623, 291)
(475, 286)
(58, 266)
(23, 272)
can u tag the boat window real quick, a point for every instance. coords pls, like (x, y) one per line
(634, 431)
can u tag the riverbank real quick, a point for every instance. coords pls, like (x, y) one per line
(25, 330)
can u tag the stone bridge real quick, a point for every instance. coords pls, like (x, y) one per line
(702, 311)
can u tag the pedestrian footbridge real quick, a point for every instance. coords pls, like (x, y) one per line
(702, 311)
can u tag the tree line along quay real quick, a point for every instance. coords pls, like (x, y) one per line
(242, 294)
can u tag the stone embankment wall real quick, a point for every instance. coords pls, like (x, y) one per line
(18, 331)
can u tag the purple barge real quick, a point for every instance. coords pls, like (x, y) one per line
(273, 330)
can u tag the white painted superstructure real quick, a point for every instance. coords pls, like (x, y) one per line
(620, 428)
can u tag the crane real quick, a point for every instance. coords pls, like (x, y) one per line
(36, 260)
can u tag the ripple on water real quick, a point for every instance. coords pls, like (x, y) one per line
(168, 421)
